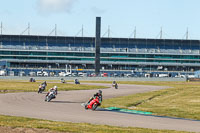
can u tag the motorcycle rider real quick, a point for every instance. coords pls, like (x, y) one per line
(62, 80)
(32, 80)
(76, 81)
(44, 83)
(99, 95)
(54, 89)
(113, 84)
(116, 86)
(42, 86)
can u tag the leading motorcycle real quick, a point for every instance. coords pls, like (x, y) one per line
(93, 104)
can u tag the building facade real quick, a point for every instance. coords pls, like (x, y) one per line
(23, 51)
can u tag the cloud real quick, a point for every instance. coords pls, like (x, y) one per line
(55, 6)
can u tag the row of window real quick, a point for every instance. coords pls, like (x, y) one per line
(102, 59)
(45, 53)
(113, 55)
(141, 44)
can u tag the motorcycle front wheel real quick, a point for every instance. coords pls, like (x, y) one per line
(94, 106)
(86, 106)
(48, 98)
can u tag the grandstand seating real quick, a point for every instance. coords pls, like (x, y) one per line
(141, 51)
(81, 47)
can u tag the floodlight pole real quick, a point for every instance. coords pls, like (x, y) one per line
(29, 28)
(187, 34)
(97, 46)
(135, 32)
(55, 29)
(1, 28)
(108, 31)
(82, 31)
(161, 33)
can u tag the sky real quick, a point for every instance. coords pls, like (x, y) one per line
(122, 16)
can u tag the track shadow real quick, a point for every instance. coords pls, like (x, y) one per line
(42, 93)
(65, 102)
(101, 109)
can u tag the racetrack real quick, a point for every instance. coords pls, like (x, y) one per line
(67, 107)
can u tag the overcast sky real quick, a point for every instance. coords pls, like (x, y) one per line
(148, 16)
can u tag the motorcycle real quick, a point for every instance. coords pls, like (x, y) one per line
(77, 81)
(51, 95)
(32, 80)
(113, 84)
(41, 88)
(63, 81)
(93, 104)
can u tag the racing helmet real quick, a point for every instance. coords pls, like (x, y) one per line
(55, 87)
(100, 92)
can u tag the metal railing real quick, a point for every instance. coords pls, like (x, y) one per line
(103, 49)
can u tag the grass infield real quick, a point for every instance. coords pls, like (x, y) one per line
(25, 86)
(22, 122)
(181, 99)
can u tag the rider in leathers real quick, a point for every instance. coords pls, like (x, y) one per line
(42, 86)
(53, 89)
(99, 95)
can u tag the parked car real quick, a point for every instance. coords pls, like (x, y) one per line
(81, 74)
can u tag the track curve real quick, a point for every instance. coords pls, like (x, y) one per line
(67, 107)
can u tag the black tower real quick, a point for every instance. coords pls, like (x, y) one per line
(97, 46)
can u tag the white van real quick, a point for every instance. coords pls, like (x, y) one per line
(2, 73)
(61, 74)
(42, 73)
(31, 74)
(163, 75)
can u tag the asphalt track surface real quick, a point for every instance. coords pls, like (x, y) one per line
(67, 107)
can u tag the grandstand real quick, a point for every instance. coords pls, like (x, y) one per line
(127, 54)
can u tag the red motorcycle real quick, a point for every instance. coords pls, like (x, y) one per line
(93, 104)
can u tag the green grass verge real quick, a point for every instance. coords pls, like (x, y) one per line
(22, 122)
(22, 86)
(181, 100)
